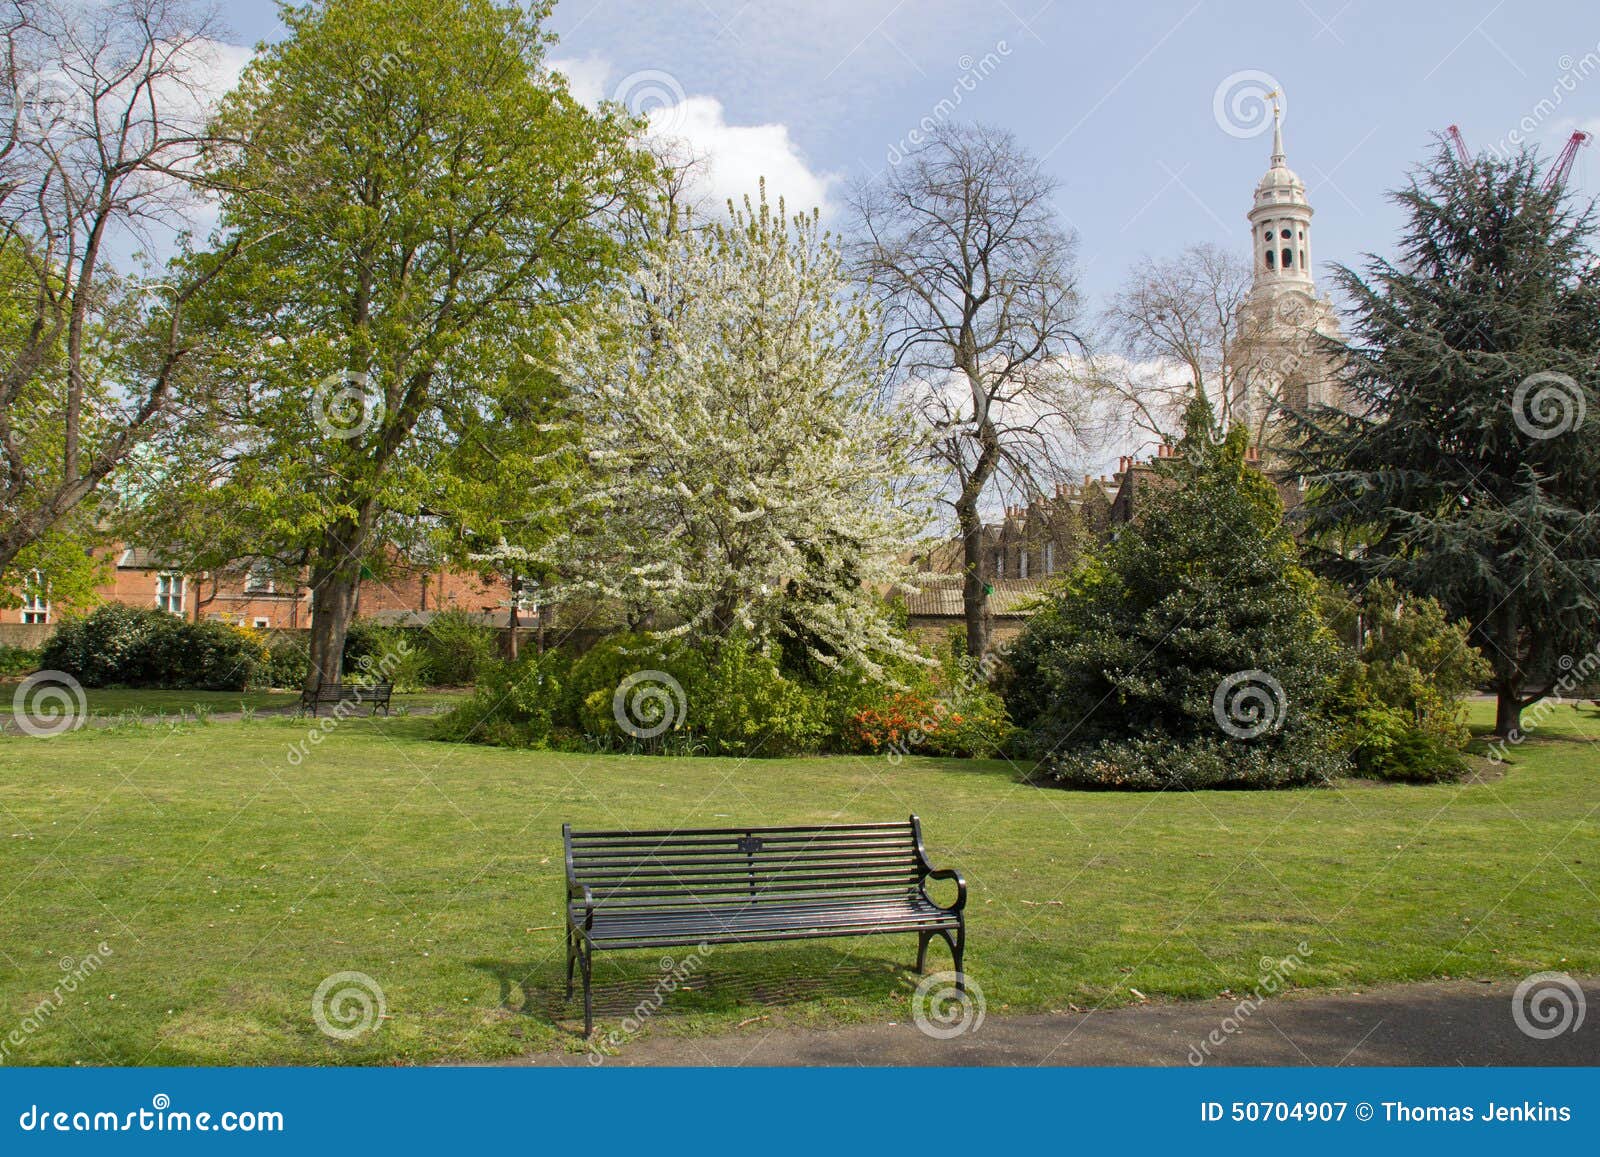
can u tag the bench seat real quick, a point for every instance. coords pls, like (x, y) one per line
(729, 924)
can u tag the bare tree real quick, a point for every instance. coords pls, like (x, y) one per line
(975, 271)
(1175, 329)
(102, 111)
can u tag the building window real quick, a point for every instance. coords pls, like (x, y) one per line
(1270, 264)
(260, 623)
(1049, 558)
(1288, 258)
(258, 580)
(169, 592)
(1285, 235)
(1022, 565)
(35, 599)
(1302, 259)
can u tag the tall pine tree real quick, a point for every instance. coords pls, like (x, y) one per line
(1471, 469)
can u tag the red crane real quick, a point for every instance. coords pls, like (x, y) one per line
(1454, 133)
(1557, 176)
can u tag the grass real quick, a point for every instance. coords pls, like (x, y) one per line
(229, 878)
(119, 701)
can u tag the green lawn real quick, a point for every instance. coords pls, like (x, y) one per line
(228, 879)
(151, 704)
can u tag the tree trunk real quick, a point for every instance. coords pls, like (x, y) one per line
(1507, 711)
(335, 584)
(974, 597)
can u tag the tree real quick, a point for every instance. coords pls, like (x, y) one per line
(1470, 470)
(748, 475)
(1175, 327)
(963, 245)
(1188, 651)
(102, 113)
(419, 198)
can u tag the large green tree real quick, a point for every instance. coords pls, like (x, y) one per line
(1471, 469)
(419, 198)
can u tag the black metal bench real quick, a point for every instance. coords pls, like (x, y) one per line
(659, 889)
(335, 694)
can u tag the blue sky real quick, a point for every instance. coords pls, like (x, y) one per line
(1119, 99)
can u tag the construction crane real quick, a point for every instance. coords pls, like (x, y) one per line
(1454, 134)
(1557, 176)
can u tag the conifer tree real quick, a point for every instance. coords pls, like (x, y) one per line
(1471, 469)
(1188, 651)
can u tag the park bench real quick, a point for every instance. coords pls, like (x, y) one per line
(660, 889)
(333, 694)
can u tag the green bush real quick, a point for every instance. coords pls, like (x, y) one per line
(457, 648)
(379, 654)
(119, 646)
(288, 660)
(746, 706)
(514, 705)
(1157, 762)
(1391, 744)
(1400, 695)
(18, 660)
(1142, 669)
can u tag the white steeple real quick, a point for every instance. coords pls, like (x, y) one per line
(1279, 359)
(1280, 221)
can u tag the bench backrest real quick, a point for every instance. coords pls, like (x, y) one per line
(335, 692)
(710, 867)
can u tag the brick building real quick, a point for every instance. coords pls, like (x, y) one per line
(255, 596)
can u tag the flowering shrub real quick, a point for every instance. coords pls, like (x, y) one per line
(901, 721)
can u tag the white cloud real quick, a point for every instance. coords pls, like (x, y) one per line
(734, 157)
(738, 156)
(586, 77)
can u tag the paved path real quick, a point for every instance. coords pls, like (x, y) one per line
(1449, 1023)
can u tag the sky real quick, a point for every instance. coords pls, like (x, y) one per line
(1149, 115)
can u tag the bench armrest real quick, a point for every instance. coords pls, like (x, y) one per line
(586, 900)
(947, 874)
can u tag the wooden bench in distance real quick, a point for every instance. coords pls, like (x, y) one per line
(334, 694)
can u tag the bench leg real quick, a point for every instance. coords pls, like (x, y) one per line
(922, 951)
(571, 960)
(588, 996)
(959, 951)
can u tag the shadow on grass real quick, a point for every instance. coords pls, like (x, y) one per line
(680, 984)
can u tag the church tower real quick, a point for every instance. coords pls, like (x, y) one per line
(1278, 358)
